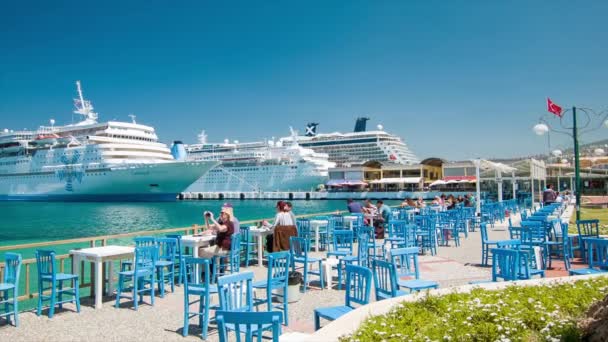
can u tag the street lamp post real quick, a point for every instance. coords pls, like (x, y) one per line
(543, 127)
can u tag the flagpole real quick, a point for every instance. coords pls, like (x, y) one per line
(577, 167)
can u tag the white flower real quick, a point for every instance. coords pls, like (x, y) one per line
(530, 300)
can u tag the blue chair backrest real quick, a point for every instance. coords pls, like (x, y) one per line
(385, 279)
(179, 242)
(505, 264)
(397, 228)
(12, 267)
(363, 250)
(335, 222)
(145, 258)
(406, 261)
(598, 252)
(235, 252)
(588, 228)
(343, 240)
(245, 236)
(278, 267)
(298, 247)
(190, 263)
(249, 322)
(483, 228)
(533, 231)
(235, 291)
(303, 226)
(45, 262)
(167, 248)
(145, 241)
(358, 285)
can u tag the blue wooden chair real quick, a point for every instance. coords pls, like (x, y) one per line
(299, 255)
(10, 283)
(230, 262)
(165, 264)
(180, 254)
(248, 246)
(142, 277)
(202, 291)
(342, 243)
(505, 264)
(358, 289)
(140, 241)
(560, 243)
(597, 257)
(236, 295)
(278, 275)
(304, 231)
(586, 229)
(236, 292)
(361, 259)
(385, 280)
(486, 244)
(406, 264)
(248, 323)
(47, 274)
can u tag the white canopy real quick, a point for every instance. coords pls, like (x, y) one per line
(437, 182)
(403, 180)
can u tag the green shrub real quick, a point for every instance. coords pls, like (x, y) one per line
(525, 313)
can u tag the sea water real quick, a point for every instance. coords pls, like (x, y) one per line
(27, 222)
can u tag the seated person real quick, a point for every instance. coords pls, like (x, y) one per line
(223, 228)
(283, 228)
(354, 207)
(383, 218)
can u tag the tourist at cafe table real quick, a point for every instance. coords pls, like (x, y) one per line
(384, 214)
(223, 229)
(283, 227)
(354, 207)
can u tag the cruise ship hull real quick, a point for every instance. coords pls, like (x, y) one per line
(141, 182)
(304, 177)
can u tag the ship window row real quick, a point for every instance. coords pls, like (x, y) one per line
(130, 137)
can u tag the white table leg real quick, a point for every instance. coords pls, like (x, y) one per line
(317, 237)
(76, 266)
(328, 275)
(260, 249)
(110, 276)
(197, 270)
(98, 283)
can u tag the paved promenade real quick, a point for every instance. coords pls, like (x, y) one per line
(452, 266)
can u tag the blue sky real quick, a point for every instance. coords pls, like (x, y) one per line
(455, 79)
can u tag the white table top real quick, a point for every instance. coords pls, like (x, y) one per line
(105, 251)
(199, 238)
(318, 222)
(259, 230)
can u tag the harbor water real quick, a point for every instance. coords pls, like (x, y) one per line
(27, 222)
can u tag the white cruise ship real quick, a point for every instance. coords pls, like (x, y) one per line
(357, 147)
(258, 166)
(92, 161)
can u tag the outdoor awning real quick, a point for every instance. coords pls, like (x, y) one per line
(344, 182)
(402, 180)
(437, 182)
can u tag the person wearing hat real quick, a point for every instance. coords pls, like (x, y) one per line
(223, 229)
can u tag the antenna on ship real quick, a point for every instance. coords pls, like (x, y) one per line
(84, 107)
(294, 136)
(132, 116)
(202, 137)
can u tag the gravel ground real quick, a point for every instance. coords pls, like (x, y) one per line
(164, 321)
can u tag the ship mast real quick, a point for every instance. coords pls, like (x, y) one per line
(84, 107)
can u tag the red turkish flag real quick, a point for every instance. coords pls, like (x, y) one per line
(553, 108)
